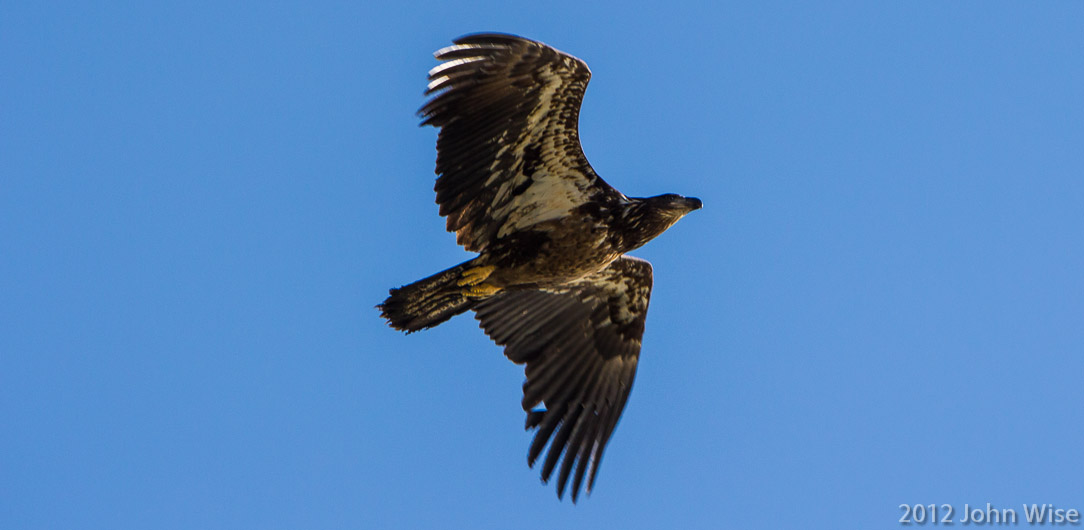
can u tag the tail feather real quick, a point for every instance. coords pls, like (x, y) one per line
(429, 301)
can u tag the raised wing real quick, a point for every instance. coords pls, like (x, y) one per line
(581, 343)
(508, 153)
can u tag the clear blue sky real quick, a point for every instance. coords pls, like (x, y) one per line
(882, 301)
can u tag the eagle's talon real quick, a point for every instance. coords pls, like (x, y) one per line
(481, 290)
(476, 275)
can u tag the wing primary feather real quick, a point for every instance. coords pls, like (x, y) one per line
(572, 450)
(584, 444)
(568, 423)
(454, 61)
(585, 458)
(546, 421)
(603, 403)
(570, 454)
(557, 444)
(610, 423)
(506, 39)
(555, 408)
(457, 51)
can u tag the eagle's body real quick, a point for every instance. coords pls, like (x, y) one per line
(564, 249)
(551, 282)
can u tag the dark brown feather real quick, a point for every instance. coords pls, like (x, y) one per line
(508, 153)
(581, 343)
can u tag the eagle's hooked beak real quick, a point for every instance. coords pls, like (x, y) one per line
(692, 203)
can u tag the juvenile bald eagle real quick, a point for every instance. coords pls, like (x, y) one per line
(551, 283)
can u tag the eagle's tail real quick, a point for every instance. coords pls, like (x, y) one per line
(430, 301)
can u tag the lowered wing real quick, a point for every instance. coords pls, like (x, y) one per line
(581, 344)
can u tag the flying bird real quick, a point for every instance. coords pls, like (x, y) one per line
(551, 282)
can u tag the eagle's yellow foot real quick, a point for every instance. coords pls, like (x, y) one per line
(481, 290)
(476, 275)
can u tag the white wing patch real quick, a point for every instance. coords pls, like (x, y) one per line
(556, 189)
(546, 199)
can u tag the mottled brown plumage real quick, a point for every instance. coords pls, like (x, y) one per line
(551, 283)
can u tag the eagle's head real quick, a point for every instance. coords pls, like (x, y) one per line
(643, 219)
(674, 204)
